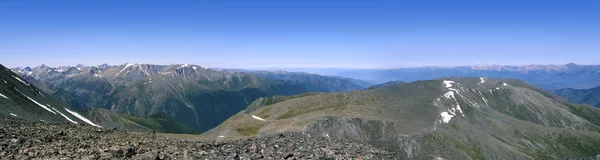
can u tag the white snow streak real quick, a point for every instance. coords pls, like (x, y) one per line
(127, 65)
(19, 80)
(449, 94)
(1, 95)
(82, 118)
(140, 67)
(195, 67)
(258, 118)
(484, 100)
(12, 114)
(41, 105)
(482, 80)
(220, 136)
(504, 84)
(69, 119)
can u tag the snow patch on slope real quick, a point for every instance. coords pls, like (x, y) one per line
(484, 100)
(504, 84)
(126, 66)
(19, 79)
(446, 117)
(82, 118)
(39, 104)
(12, 114)
(448, 83)
(1, 95)
(482, 80)
(69, 119)
(140, 67)
(258, 118)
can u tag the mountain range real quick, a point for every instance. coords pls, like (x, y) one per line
(444, 118)
(544, 76)
(449, 118)
(199, 97)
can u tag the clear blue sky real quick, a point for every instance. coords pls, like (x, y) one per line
(299, 33)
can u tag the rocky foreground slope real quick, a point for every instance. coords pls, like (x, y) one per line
(37, 140)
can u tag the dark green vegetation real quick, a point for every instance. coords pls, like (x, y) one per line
(200, 98)
(390, 83)
(159, 122)
(314, 82)
(581, 96)
(452, 118)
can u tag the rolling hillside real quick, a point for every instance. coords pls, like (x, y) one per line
(452, 118)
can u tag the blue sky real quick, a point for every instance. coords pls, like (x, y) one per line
(300, 34)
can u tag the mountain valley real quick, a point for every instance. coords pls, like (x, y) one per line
(199, 97)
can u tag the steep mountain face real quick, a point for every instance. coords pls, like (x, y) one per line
(314, 82)
(201, 98)
(544, 76)
(451, 118)
(581, 96)
(22, 100)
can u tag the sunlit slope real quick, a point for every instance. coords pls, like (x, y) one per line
(454, 118)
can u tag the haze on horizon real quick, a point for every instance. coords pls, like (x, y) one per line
(300, 34)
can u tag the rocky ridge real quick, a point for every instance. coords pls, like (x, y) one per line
(38, 140)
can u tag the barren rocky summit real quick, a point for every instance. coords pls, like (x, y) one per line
(38, 140)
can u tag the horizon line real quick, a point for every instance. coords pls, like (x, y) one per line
(335, 67)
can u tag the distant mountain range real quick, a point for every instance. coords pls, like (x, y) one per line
(582, 96)
(544, 76)
(200, 97)
(449, 118)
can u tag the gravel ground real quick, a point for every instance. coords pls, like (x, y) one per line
(39, 140)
